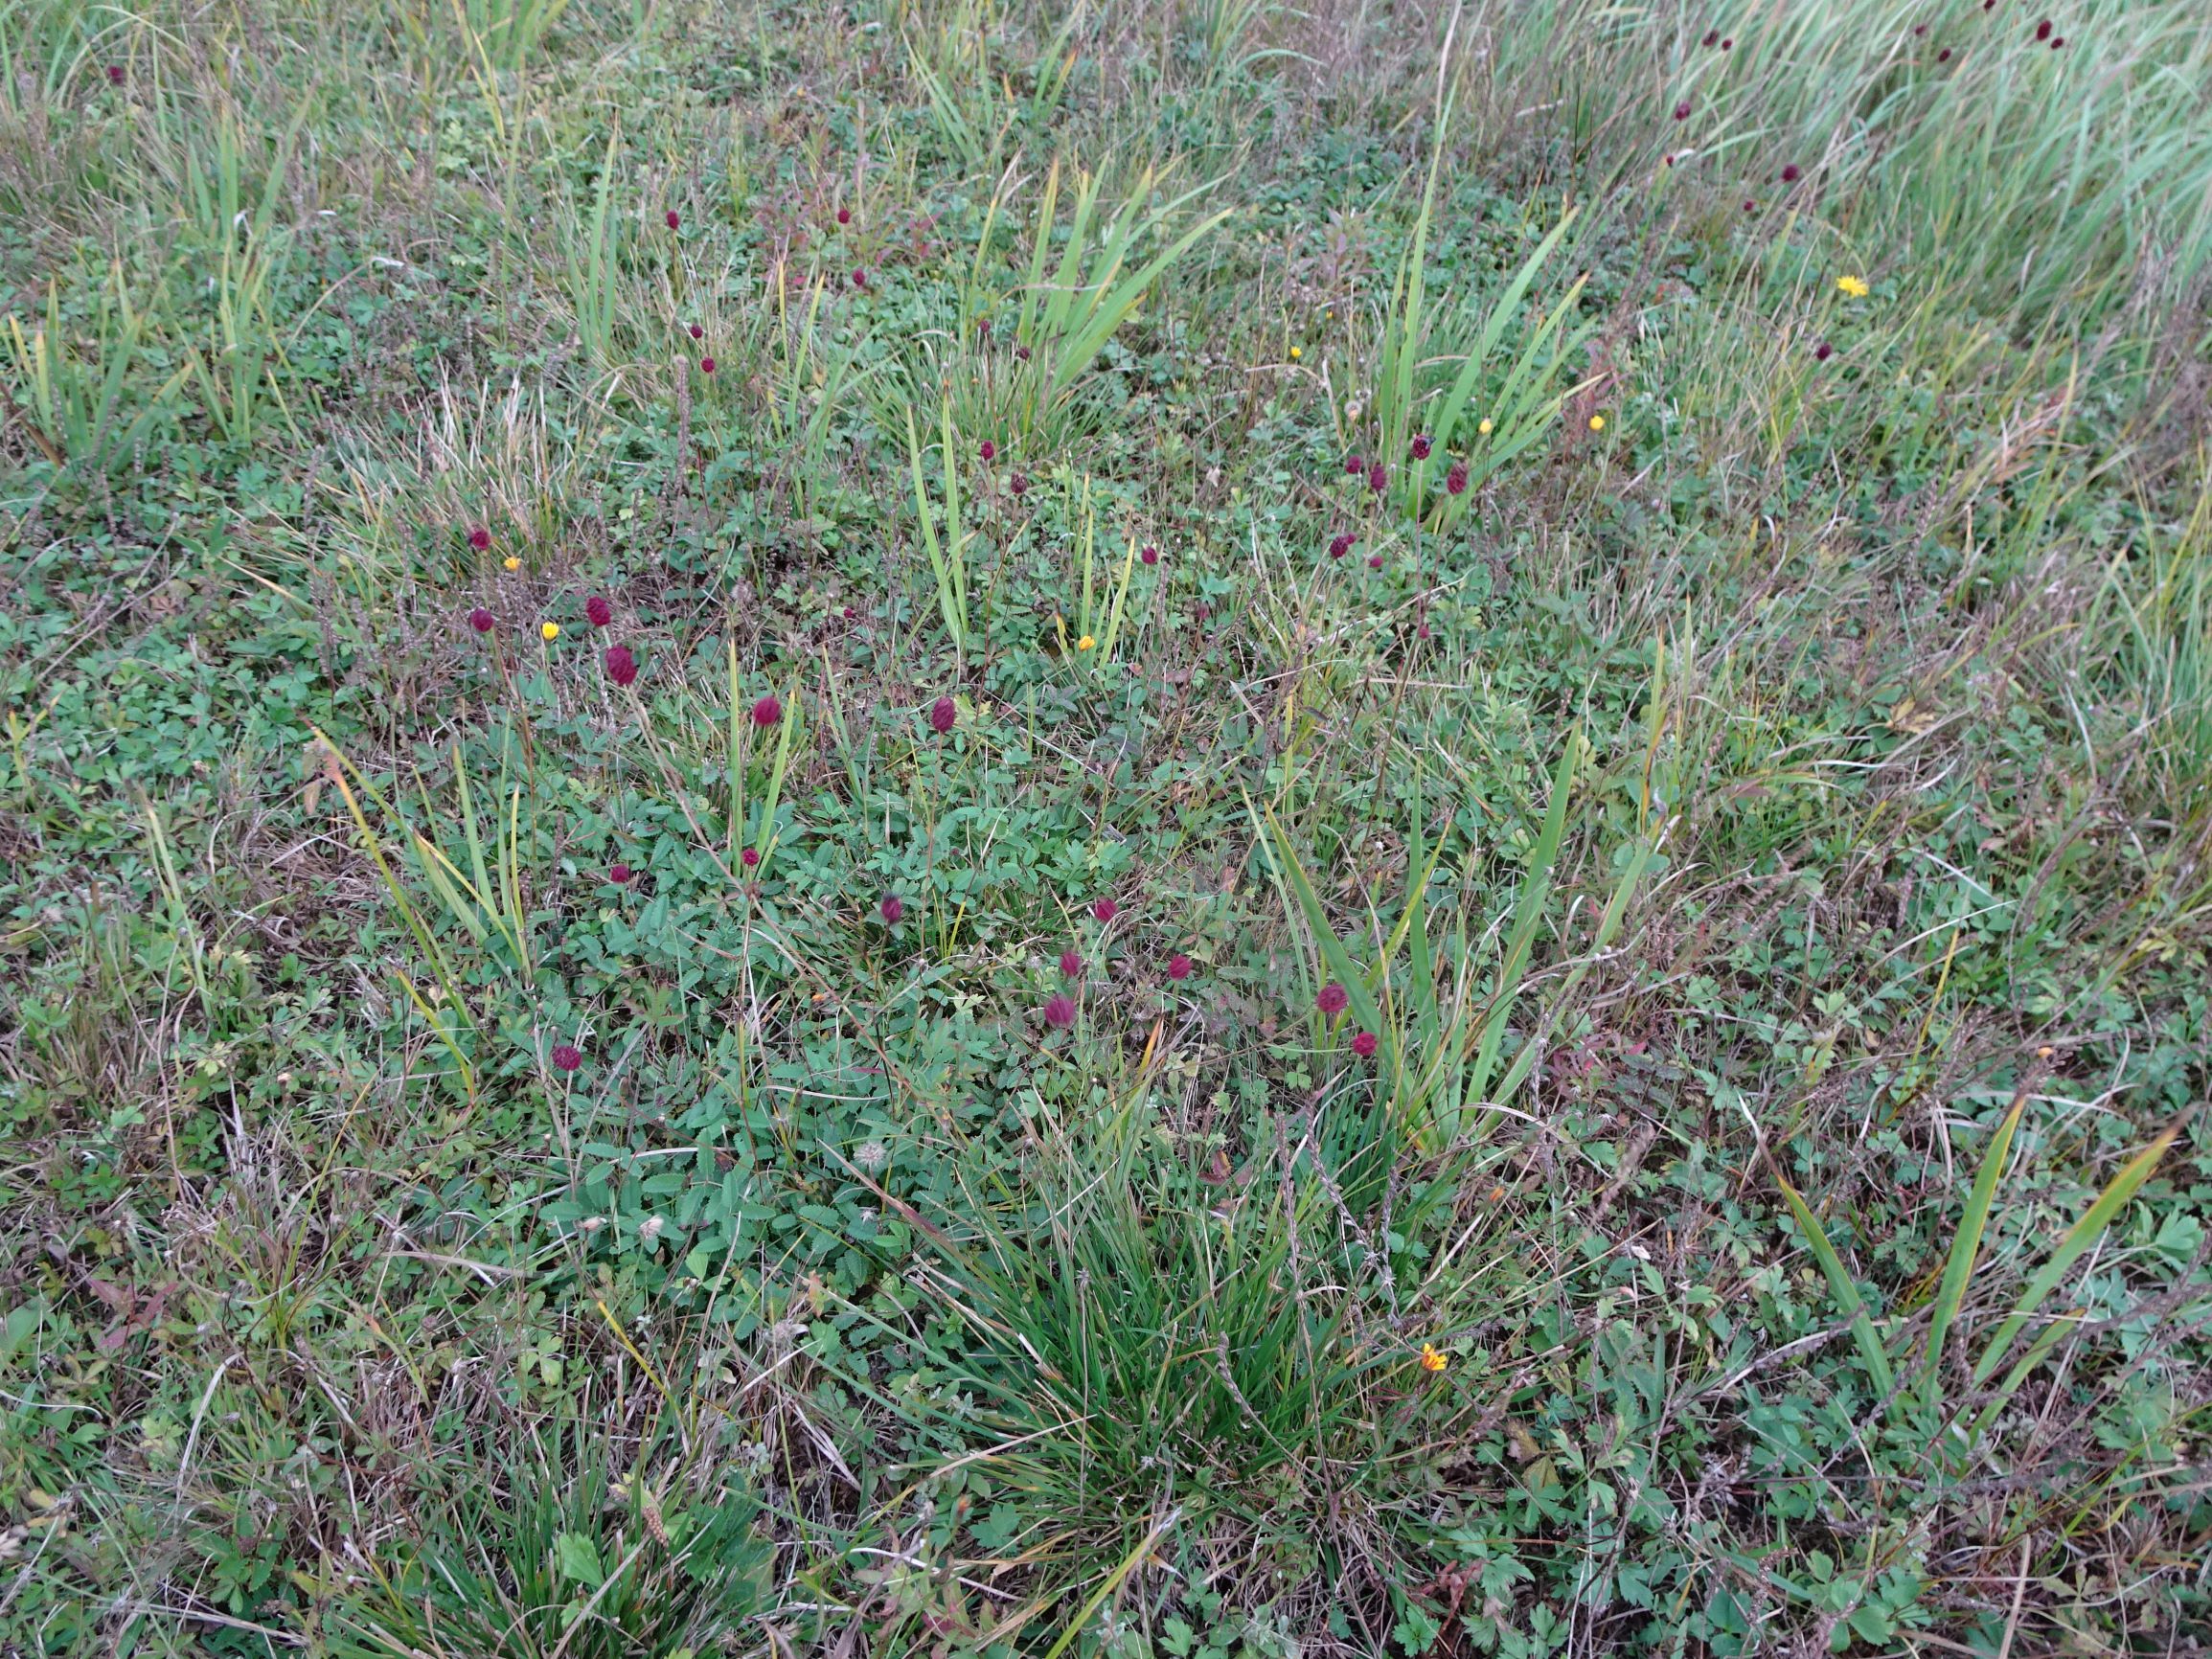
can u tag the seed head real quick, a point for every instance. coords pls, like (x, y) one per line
(697, 332)
(621, 666)
(1178, 968)
(2043, 30)
(844, 216)
(988, 451)
(891, 909)
(115, 75)
(860, 278)
(942, 716)
(1455, 481)
(1374, 562)
(1712, 36)
(567, 1057)
(1823, 352)
(1377, 477)
(1018, 484)
(1355, 464)
(1021, 354)
(1363, 1045)
(599, 611)
(480, 620)
(1105, 910)
(1150, 554)
(1341, 545)
(1420, 446)
(1071, 964)
(1331, 1000)
(479, 538)
(1060, 1012)
(1943, 56)
(767, 711)
(2057, 41)
(1790, 174)
(1682, 110)
(619, 874)
(706, 365)
(750, 857)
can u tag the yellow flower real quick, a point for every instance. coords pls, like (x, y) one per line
(549, 631)
(1295, 353)
(1597, 422)
(1483, 426)
(511, 563)
(1855, 287)
(1430, 1360)
(1085, 643)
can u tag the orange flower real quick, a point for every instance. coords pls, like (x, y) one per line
(1430, 1360)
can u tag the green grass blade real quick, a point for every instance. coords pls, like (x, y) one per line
(1960, 1268)
(1846, 1292)
(2079, 1238)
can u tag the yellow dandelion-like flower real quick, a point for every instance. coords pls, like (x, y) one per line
(1085, 644)
(511, 563)
(1432, 1360)
(1597, 422)
(1855, 287)
(549, 631)
(1483, 426)
(1295, 353)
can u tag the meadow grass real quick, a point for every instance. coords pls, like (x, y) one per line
(1200, 829)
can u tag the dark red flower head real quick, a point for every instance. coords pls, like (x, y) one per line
(1790, 174)
(1150, 554)
(1363, 1045)
(2057, 41)
(1071, 964)
(844, 216)
(891, 908)
(1920, 29)
(567, 1057)
(1823, 352)
(479, 538)
(767, 711)
(1377, 477)
(1989, 5)
(1179, 968)
(480, 620)
(1374, 562)
(988, 451)
(1727, 45)
(1943, 56)
(674, 219)
(619, 874)
(1331, 1000)
(697, 332)
(2043, 30)
(1060, 1012)
(1355, 464)
(1682, 110)
(1712, 36)
(1420, 446)
(706, 365)
(861, 279)
(1021, 354)
(1018, 484)
(599, 611)
(1455, 481)
(942, 716)
(749, 858)
(1105, 910)
(1750, 206)
(1341, 545)
(621, 666)
(115, 74)
(1421, 632)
